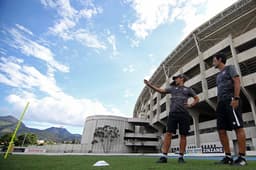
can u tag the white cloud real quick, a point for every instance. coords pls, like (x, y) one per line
(56, 106)
(65, 9)
(34, 49)
(128, 93)
(191, 13)
(62, 27)
(12, 69)
(63, 6)
(151, 14)
(14, 73)
(24, 29)
(135, 42)
(89, 13)
(66, 26)
(112, 41)
(63, 30)
(48, 102)
(130, 68)
(65, 110)
(150, 72)
(3, 51)
(122, 29)
(88, 39)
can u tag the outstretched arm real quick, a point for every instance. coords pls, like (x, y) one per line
(160, 90)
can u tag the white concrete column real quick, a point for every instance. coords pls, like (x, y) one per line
(250, 97)
(195, 117)
(158, 109)
(203, 76)
(151, 104)
(254, 143)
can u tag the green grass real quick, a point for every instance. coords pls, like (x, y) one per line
(32, 162)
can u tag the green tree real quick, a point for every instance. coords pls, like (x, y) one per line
(106, 136)
(5, 139)
(26, 139)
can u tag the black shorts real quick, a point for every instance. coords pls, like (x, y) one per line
(227, 117)
(181, 120)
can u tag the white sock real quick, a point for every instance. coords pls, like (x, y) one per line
(164, 155)
(242, 156)
(229, 156)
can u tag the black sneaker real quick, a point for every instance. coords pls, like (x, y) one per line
(225, 160)
(162, 160)
(240, 161)
(181, 160)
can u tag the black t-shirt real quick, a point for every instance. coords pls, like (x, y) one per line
(225, 84)
(180, 95)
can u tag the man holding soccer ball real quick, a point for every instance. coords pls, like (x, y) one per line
(178, 116)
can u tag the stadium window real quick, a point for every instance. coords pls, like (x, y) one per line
(154, 112)
(192, 133)
(246, 46)
(248, 66)
(162, 95)
(197, 87)
(208, 130)
(163, 107)
(249, 123)
(193, 71)
(155, 101)
(211, 81)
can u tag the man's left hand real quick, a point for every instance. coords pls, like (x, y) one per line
(234, 103)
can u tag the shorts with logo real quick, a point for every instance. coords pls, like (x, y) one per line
(227, 117)
(179, 120)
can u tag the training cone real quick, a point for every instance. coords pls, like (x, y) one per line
(101, 163)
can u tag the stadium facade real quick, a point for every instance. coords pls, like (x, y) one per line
(93, 122)
(233, 32)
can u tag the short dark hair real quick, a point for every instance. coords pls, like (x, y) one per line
(221, 56)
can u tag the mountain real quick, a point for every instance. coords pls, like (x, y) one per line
(9, 123)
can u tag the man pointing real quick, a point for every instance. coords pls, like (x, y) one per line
(178, 116)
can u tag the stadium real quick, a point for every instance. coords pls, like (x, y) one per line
(233, 32)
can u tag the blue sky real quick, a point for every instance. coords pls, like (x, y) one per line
(75, 58)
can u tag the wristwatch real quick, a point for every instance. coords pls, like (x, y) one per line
(236, 98)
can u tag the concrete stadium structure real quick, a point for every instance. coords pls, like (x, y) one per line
(94, 122)
(232, 32)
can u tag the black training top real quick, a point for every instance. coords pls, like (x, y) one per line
(180, 95)
(225, 84)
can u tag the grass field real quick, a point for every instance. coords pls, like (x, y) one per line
(32, 162)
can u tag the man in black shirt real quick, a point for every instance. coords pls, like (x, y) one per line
(228, 111)
(178, 116)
